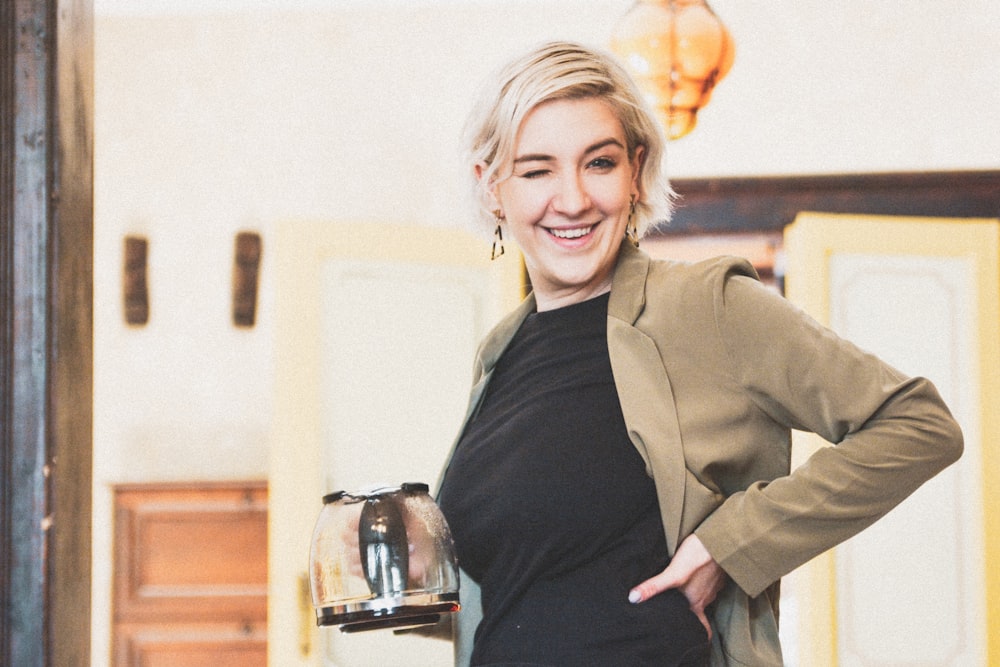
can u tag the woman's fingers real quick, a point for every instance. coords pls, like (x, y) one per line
(655, 585)
(694, 572)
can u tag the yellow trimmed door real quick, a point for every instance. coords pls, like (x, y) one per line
(376, 329)
(916, 588)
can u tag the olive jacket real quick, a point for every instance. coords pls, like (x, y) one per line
(713, 371)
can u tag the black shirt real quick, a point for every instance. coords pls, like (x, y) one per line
(553, 513)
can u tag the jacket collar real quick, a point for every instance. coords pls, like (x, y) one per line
(628, 294)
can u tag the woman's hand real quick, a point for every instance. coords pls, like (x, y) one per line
(694, 572)
(419, 542)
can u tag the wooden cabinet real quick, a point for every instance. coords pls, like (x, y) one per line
(190, 575)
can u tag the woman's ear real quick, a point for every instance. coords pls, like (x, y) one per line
(490, 188)
(638, 161)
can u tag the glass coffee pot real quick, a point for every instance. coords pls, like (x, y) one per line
(382, 558)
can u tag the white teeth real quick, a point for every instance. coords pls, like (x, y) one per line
(570, 233)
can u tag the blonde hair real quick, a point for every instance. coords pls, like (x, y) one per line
(563, 70)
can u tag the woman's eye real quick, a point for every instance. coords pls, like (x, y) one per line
(535, 173)
(602, 163)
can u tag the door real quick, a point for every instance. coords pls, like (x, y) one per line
(914, 589)
(376, 328)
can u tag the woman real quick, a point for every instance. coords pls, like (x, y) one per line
(621, 491)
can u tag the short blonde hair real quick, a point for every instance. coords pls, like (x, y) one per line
(563, 70)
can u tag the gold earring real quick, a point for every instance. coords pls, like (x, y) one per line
(497, 238)
(631, 230)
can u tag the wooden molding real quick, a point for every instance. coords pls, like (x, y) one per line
(190, 552)
(193, 645)
(768, 203)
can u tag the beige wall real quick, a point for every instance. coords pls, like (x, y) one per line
(208, 122)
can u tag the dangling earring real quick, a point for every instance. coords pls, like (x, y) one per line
(631, 231)
(497, 238)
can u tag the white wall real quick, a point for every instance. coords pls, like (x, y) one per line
(212, 117)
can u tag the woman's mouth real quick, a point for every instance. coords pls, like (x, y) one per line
(575, 233)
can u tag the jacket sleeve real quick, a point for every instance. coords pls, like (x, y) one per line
(891, 434)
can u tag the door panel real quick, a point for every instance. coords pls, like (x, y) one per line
(923, 295)
(190, 574)
(376, 331)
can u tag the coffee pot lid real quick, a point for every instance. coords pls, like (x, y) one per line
(375, 491)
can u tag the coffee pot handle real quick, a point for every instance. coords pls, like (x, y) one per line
(385, 550)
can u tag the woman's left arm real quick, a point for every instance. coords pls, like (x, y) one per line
(892, 433)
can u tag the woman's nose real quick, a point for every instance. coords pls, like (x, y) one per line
(571, 199)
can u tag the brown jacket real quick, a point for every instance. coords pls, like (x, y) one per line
(713, 371)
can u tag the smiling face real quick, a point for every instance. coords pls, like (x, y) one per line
(567, 201)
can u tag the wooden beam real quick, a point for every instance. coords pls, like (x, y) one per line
(71, 299)
(768, 203)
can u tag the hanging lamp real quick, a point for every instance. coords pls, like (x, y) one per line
(677, 50)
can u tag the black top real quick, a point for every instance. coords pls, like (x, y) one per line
(553, 513)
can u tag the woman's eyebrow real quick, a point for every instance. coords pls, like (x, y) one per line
(542, 157)
(610, 141)
(533, 157)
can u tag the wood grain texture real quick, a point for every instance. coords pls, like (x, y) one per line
(190, 575)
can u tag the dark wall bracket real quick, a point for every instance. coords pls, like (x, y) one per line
(246, 268)
(135, 289)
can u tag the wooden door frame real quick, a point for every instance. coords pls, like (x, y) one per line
(46, 330)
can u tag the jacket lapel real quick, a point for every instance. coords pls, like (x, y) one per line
(644, 390)
(499, 338)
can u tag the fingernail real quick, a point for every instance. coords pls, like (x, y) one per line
(634, 597)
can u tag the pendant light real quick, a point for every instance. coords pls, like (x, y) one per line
(677, 50)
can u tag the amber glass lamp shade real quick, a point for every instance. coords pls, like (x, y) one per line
(677, 50)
